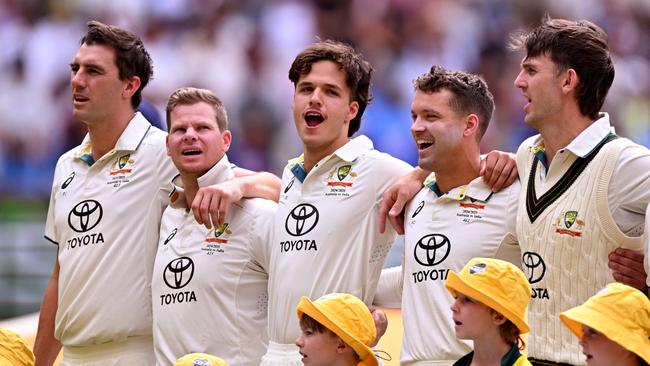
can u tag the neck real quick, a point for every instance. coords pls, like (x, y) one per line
(104, 135)
(458, 171)
(488, 353)
(560, 134)
(190, 186)
(312, 156)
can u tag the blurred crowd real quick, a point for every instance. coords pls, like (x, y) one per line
(242, 49)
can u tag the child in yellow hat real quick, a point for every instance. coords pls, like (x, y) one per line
(14, 350)
(492, 297)
(613, 326)
(336, 329)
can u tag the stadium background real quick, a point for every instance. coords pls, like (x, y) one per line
(242, 50)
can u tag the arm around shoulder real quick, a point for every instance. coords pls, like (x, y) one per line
(261, 185)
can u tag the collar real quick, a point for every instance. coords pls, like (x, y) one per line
(584, 143)
(220, 172)
(508, 359)
(475, 190)
(511, 357)
(587, 140)
(130, 140)
(348, 152)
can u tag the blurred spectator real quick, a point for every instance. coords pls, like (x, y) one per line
(242, 49)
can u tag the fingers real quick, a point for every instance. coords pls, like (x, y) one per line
(506, 177)
(381, 323)
(201, 209)
(494, 173)
(386, 204)
(222, 211)
(397, 222)
(627, 267)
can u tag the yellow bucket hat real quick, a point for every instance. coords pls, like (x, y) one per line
(620, 312)
(200, 359)
(14, 349)
(497, 284)
(346, 316)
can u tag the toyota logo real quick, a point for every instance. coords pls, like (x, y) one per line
(67, 182)
(535, 266)
(301, 220)
(418, 209)
(170, 236)
(85, 216)
(179, 272)
(432, 249)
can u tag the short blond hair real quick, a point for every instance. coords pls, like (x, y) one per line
(189, 96)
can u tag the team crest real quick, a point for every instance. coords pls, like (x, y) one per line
(344, 174)
(123, 165)
(569, 223)
(123, 160)
(343, 171)
(570, 218)
(218, 234)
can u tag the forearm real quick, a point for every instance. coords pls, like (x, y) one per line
(46, 347)
(263, 184)
(389, 288)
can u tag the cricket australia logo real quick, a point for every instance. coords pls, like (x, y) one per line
(123, 165)
(219, 234)
(344, 174)
(569, 223)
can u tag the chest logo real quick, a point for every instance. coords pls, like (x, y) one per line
(123, 165)
(218, 235)
(344, 174)
(301, 220)
(289, 185)
(179, 272)
(85, 216)
(432, 249)
(67, 182)
(534, 266)
(171, 236)
(418, 209)
(569, 223)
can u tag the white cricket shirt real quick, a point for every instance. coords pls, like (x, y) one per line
(209, 287)
(442, 233)
(327, 231)
(105, 217)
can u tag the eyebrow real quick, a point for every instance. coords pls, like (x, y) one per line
(327, 85)
(427, 111)
(88, 65)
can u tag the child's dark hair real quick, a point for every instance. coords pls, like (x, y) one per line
(309, 322)
(510, 333)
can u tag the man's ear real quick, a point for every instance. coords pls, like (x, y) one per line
(471, 125)
(226, 138)
(131, 87)
(570, 81)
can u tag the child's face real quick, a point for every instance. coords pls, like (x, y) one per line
(601, 350)
(317, 348)
(472, 319)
